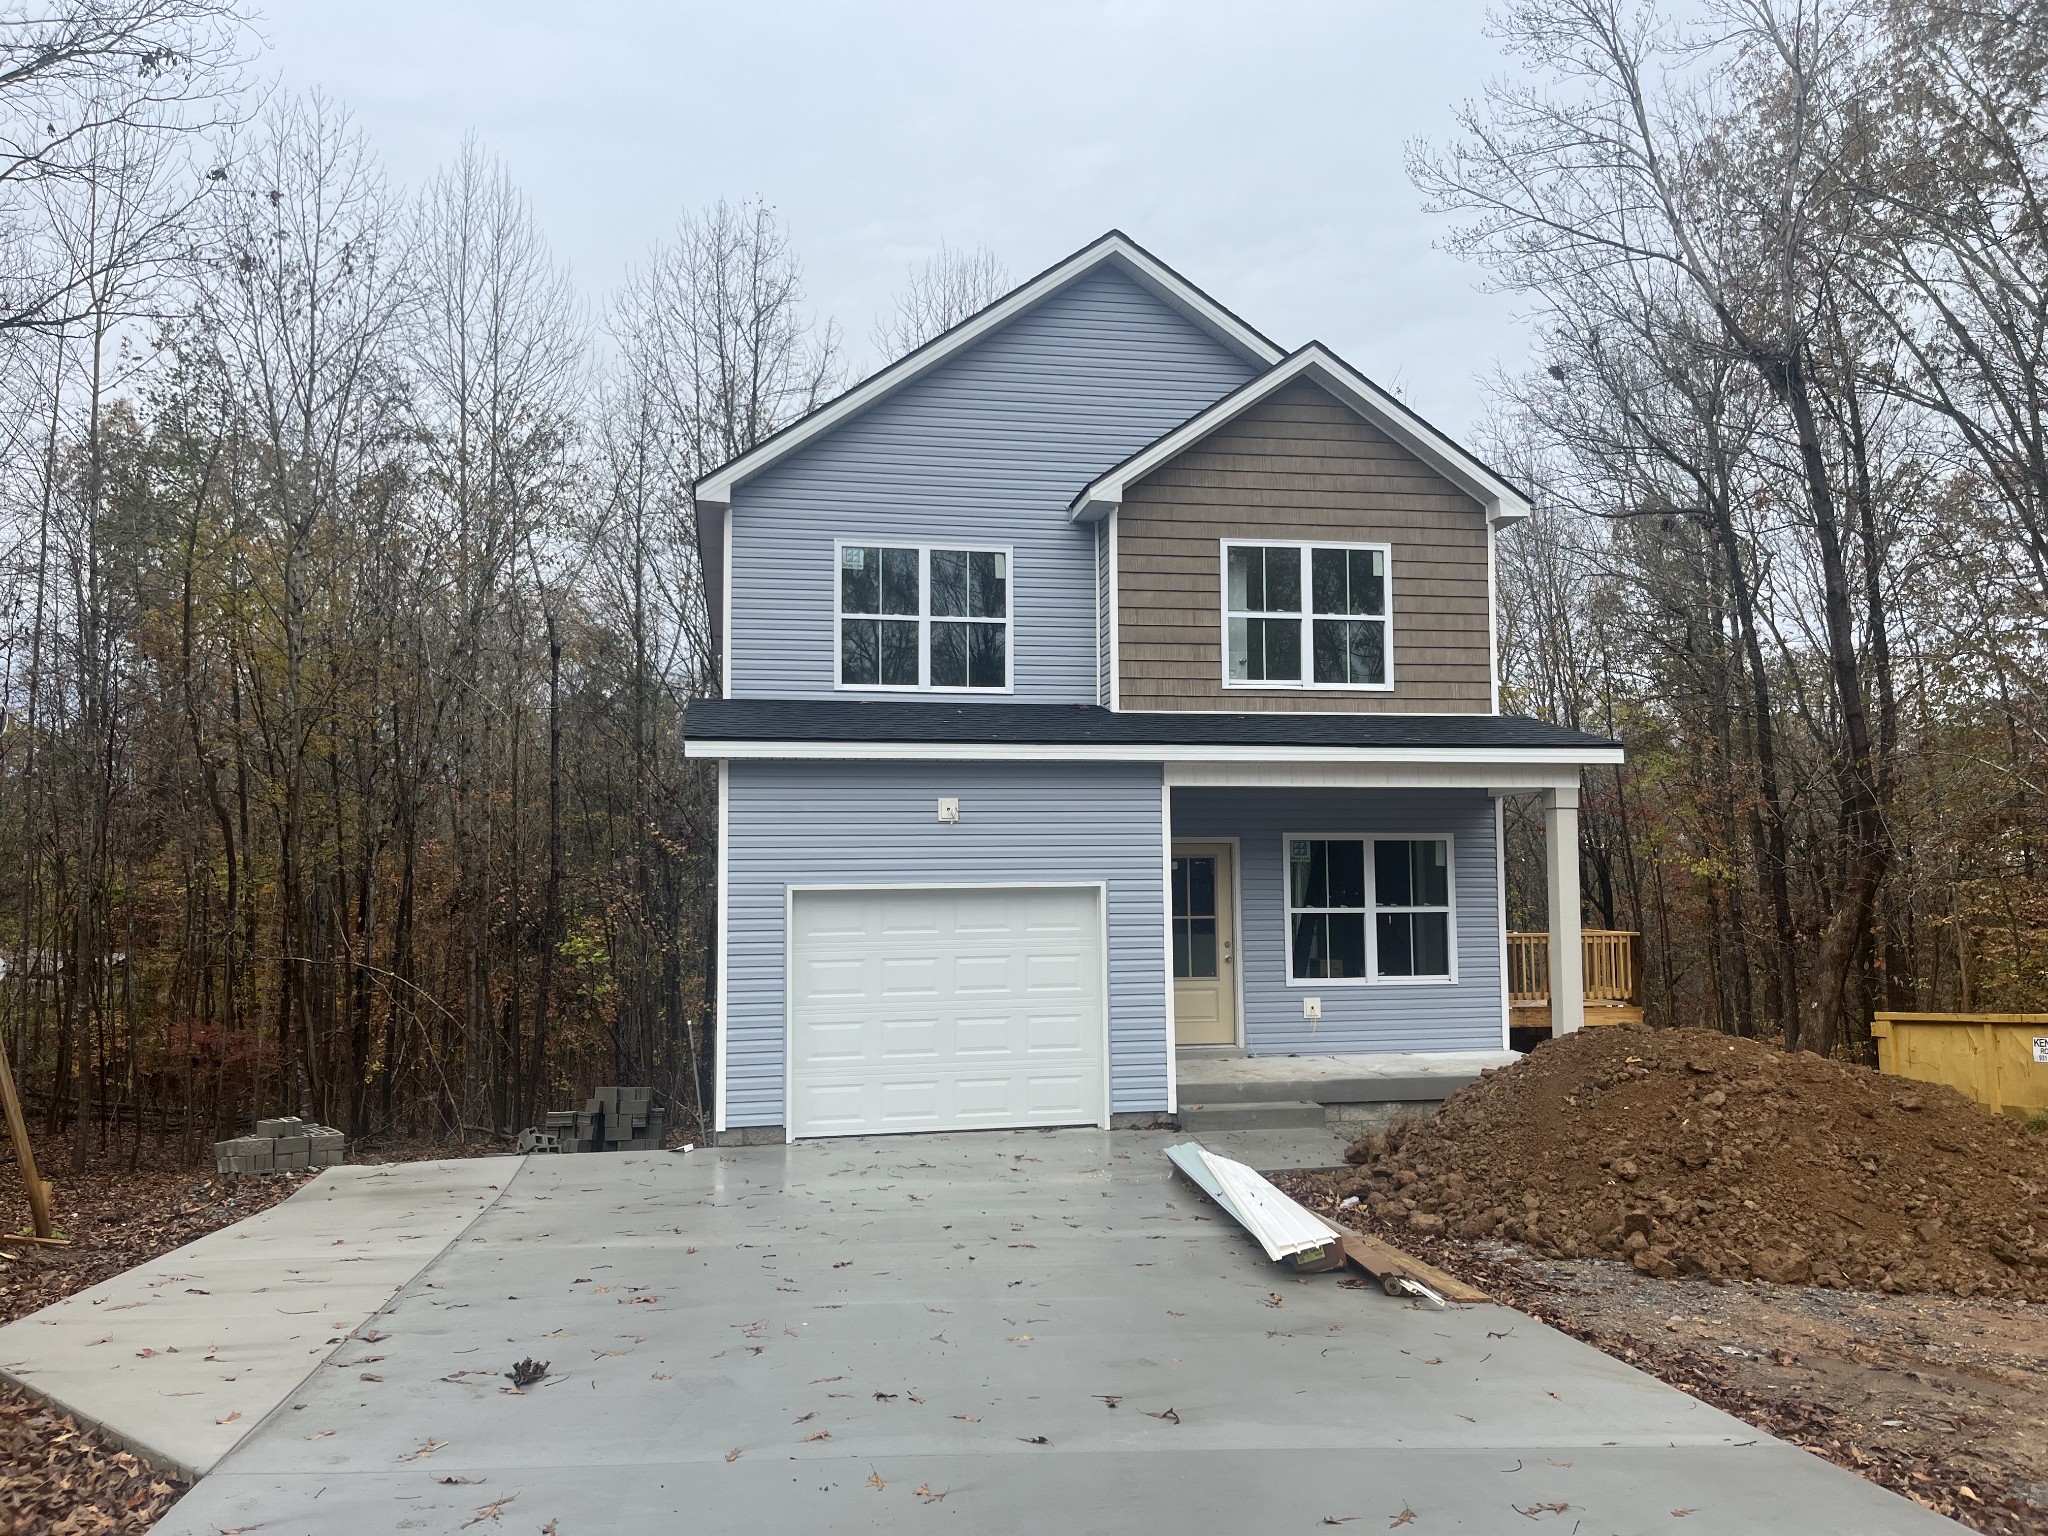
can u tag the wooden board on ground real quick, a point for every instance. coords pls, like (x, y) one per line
(1380, 1260)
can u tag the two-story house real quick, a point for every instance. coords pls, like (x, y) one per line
(1099, 682)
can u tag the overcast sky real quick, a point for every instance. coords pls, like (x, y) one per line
(1255, 146)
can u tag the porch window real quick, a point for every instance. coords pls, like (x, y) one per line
(1304, 615)
(1329, 904)
(923, 617)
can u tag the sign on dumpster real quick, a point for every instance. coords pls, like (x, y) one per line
(2041, 1050)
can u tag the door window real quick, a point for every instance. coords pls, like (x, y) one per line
(1194, 919)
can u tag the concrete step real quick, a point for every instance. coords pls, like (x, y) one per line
(1256, 1115)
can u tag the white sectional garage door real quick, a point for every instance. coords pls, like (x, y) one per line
(946, 1009)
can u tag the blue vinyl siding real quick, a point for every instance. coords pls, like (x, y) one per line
(991, 446)
(1104, 658)
(851, 823)
(1385, 1016)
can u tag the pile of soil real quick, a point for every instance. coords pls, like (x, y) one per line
(1688, 1153)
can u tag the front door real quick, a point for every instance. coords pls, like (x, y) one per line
(1204, 945)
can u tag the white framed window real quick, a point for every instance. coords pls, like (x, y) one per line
(1365, 909)
(921, 617)
(1298, 614)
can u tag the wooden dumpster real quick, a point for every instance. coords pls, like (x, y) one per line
(1998, 1059)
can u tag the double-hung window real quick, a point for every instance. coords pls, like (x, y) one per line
(1299, 615)
(923, 616)
(1368, 908)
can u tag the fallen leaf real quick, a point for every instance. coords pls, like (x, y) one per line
(456, 1477)
(970, 1418)
(1168, 1414)
(1273, 1300)
(1338, 1519)
(1680, 1514)
(924, 1491)
(806, 1418)
(491, 1511)
(913, 1397)
(1020, 1338)
(1434, 1360)
(145, 1354)
(322, 1435)
(230, 1418)
(875, 1481)
(1534, 1510)
(733, 1454)
(885, 1397)
(1106, 1400)
(366, 1376)
(823, 1434)
(426, 1449)
(820, 1381)
(1034, 1440)
(1406, 1517)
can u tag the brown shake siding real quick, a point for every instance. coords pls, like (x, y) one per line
(1300, 465)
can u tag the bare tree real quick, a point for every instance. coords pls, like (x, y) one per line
(76, 78)
(947, 289)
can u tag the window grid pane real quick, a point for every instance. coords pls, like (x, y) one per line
(888, 594)
(1327, 908)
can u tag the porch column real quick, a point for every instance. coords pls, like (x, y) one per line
(1561, 861)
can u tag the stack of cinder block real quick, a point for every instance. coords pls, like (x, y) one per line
(284, 1145)
(614, 1120)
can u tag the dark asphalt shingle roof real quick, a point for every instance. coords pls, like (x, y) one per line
(877, 721)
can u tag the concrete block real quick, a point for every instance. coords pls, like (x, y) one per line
(291, 1146)
(328, 1156)
(288, 1125)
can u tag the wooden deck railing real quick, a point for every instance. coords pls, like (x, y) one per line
(1613, 977)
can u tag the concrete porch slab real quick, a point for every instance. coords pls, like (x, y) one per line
(182, 1357)
(1393, 1076)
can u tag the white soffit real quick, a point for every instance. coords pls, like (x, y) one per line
(1315, 362)
(1491, 758)
(1115, 248)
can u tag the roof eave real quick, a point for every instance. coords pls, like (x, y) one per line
(717, 487)
(1500, 501)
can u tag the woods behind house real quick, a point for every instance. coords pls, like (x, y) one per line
(351, 598)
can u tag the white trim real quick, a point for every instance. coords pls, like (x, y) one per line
(1166, 935)
(1492, 619)
(1500, 889)
(724, 924)
(1101, 615)
(1113, 248)
(789, 896)
(1372, 977)
(925, 616)
(1116, 647)
(1139, 752)
(1501, 501)
(1492, 779)
(1236, 845)
(1306, 617)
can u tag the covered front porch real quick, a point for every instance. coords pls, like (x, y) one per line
(1355, 910)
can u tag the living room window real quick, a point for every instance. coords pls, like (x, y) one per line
(922, 616)
(1304, 615)
(1369, 909)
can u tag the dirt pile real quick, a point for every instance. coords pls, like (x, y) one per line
(1691, 1153)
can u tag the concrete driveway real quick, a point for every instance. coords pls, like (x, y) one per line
(1002, 1332)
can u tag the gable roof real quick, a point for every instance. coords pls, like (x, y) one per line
(1503, 501)
(1114, 249)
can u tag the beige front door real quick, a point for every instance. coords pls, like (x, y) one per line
(1204, 945)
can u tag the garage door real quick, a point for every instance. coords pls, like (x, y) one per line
(928, 1010)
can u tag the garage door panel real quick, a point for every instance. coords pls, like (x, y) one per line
(927, 1010)
(907, 976)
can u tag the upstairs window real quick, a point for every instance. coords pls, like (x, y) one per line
(1305, 615)
(916, 616)
(1368, 908)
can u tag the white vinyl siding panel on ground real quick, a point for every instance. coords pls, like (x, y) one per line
(817, 824)
(942, 1008)
(1388, 1014)
(990, 446)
